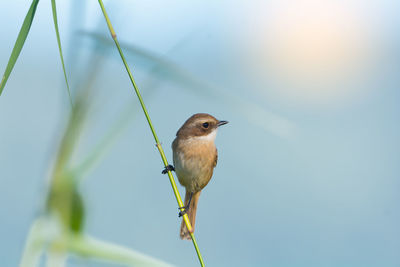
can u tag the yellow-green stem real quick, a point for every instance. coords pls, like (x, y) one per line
(159, 147)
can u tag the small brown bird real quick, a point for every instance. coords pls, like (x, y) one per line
(195, 157)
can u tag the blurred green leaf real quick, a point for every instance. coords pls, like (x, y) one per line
(23, 33)
(165, 69)
(66, 201)
(64, 198)
(54, 9)
(86, 246)
(45, 234)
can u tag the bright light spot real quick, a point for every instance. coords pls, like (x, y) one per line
(313, 49)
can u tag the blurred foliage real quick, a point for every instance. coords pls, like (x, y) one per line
(65, 199)
(60, 230)
(165, 69)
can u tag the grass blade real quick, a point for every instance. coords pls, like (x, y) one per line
(23, 33)
(54, 9)
(89, 247)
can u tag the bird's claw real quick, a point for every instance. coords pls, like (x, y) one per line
(167, 169)
(185, 208)
(184, 211)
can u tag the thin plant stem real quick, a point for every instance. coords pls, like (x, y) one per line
(54, 9)
(158, 144)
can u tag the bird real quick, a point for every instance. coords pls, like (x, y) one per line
(195, 157)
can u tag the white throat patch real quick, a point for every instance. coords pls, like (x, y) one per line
(206, 138)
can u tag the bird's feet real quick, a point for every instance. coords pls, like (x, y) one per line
(183, 210)
(167, 169)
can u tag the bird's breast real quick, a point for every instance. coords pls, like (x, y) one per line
(194, 162)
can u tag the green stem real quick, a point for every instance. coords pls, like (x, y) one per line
(159, 147)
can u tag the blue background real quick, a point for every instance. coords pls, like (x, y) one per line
(308, 171)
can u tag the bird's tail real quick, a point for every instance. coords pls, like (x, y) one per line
(191, 212)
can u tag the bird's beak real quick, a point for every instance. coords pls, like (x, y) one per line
(220, 123)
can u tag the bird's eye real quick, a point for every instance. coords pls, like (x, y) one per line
(205, 125)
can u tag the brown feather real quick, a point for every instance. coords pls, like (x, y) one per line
(191, 212)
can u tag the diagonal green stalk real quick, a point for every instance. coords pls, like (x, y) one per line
(54, 9)
(19, 43)
(158, 145)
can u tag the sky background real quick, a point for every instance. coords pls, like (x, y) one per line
(308, 170)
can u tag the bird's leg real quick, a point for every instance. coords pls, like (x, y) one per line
(185, 208)
(167, 169)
